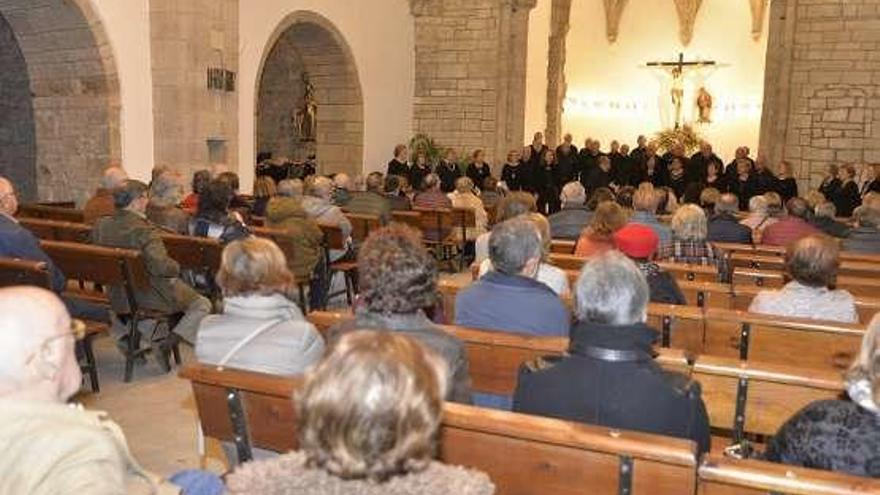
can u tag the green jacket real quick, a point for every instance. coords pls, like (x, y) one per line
(370, 203)
(304, 241)
(128, 230)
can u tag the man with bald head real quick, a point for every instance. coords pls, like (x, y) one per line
(48, 446)
(724, 226)
(101, 204)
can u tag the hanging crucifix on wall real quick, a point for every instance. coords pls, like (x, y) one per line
(677, 70)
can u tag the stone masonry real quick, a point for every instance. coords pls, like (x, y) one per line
(822, 86)
(18, 154)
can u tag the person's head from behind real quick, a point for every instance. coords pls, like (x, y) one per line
(515, 204)
(166, 190)
(131, 196)
(815, 198)
(758, 205)
(371, 408)
(847, 172)
(392, 185)
(321, 187)
(264, 187)
(490, 184)
(798, 208)
(600, 195)
(200, 180)
(864, 374)
(113, 177)
(214, 200)
(543, 226)
(867, 217)
(342, 181)
(290, 188)
(375, 182)
(637, 241)
(709, 197)
(516, 247)
(611, 290)
(645, 198)
(689, 223)
(37, 359)
(826, 210)
(813, 261)
(254, 266)
(396, 273)
(727, 204)
(608, 218)
(8, 197)
(431, 182)
(231, 178)
(464, 185)
(573, 194)
(625, 196)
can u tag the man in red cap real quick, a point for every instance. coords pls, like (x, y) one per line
(639, 242)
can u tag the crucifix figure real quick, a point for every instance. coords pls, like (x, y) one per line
(676, 70)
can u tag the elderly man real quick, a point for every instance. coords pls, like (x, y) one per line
(792, 227)
(724, 226)
(645, 201)
(342, 188)
(291, 188)
(431, 196)
(50, 447)
(128, 228)
(318, 207)
(393, 191)
(823, 219)
(509, 298)
(165, 194)
(101, 204)
(865, 237)
(569, 222)
(372, 201)
(609, 376)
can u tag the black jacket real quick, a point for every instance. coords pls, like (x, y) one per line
(478, 175)
(698, 168)
(846, 199)
(744, 190)
(566, 164)
(724, 227)
(787, 188)
(829, 188)
(397, 168)
(627, 390)
(515, 176)
(595, 179)
(830, 226)
(448, 173)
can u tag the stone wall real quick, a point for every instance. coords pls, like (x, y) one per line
(307, 46)
(188, 37)
(470, 73)
(822, 85)
(18, 154)
(74, 93)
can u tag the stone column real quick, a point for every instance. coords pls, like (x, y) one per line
(556, 86)
(513, 41)
(777, 79)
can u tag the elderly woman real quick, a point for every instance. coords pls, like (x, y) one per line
(478, 169)
(318, 206)
(811, 263)
(547, 274)
(847, 197)
(830, 182)
(608, 218)
(165, 193)
(689, 244)
(200, 181)
(264, 190)
(398, 282)
(368, 419)
(839, 435)
(512, 205)
(609, 376)
(639, 242)
(213, 219)
(464, 197)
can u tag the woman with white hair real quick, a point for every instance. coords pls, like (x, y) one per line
(609, 376)
(689, 244)
(839, 435)
(464, 197)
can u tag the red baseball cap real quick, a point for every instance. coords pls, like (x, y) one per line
(637, 241)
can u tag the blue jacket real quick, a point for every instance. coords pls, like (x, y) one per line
(514, 304)
(18, 242)
(663, 231)
(724, 227)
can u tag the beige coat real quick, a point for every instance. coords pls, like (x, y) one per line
(53, 449)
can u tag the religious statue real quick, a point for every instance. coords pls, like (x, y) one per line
(704, 103)
(677, 93)
(677, 70)
(306, 120)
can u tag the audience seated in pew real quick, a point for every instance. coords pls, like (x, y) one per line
(18, 242)
(398, 200)
(758, 218)
(162, 210)
(812, 263)
(372, 201)
(509, 297)
(608, 218)
(689, 243)
(368, 417)
(609, 377)
(101, 203)
(464, 197)
(213, 218)
(548, 274)
(723, 225)
(512, 205)
(792, 226)
(823, 219)
(264, 190)
(431, 197)
(639, 242)
(865, 237)
(49, 446)
(398, 282)
(318, 206)
(839, 435)
(128, 228)
(645, 201)
(572, 219)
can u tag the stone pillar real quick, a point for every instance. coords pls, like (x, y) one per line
(513, 50)
(556, 86)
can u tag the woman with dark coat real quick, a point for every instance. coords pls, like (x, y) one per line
(478, 170)
(514, 174)
(546, 184)
(787, 185)
(831, 183)
(213, 219)
(847, 197)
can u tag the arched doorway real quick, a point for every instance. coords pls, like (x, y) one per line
(308, 43)
(59, 103)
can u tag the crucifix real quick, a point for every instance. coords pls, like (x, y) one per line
(676, 70)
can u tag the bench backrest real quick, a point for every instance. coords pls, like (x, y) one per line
(689, 272)
(743, 295)
(362, 225)
(681, 327)
(50, 212)
(562, 246)
(57, 230)
(334, 238)
(24, 272)
(410, 218)
(194, 253)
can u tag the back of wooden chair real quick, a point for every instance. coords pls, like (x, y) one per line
(524, 455)
(757, 261)
(194, 253)
(690, 273)
(24, 272)
(720, 475)
(681, 327)
(362, 225)
(410, 218)
(561, 246)
(334, 237)
(707, 294)
(780, 340)
(567, 261)
(758, 278)
(100, 265)
(56, 230)
(50, 213)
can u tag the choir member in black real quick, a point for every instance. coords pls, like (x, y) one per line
(678, 179)
(847, 198)
(831, 183)
(566, 161)
(742, 153)
(652, 169)
(546, 185)
(448, 172)
(743, 184)
(616, 158)
(786, 184)
(588, 160)
(600, 176)
(641, 150)
(310, 166)
(714, 177)
(512, 174)
(528, 171)
(478, 169)
(765, 180)
(626, 172)
(536, 154)
(419, 170)
(677, 151)
(696, 170)
(872, 179)
(398, 166)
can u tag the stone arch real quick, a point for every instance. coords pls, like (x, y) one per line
(72, 130)
(306, 41)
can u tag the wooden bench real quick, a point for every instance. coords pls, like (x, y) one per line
(282, 238)
(362, 225)
(689, 272)
(199, 255)
(562, 246)
(743, 295)
(857, 286)
(444, 229)
(50, 213)
(336, 240)
(14, 271)
(256, 410)
(680, 327)
(57, 230)
(412, 218)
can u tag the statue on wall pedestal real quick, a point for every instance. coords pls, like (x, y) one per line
(306, 119)
(704, 104)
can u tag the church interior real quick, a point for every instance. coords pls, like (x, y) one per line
(440, 247)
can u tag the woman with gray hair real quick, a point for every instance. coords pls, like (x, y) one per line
(166, 191)
(609, 376)
(689, 244)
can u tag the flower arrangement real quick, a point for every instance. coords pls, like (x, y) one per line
(684, 135)
(426, 144)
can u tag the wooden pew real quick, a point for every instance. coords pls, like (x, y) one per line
(857, 286)
(719, 475)
(562, 246)
(15, 271)
(680, 327)
(50, 213)
(362, 225)
(743, 295)
(57, 230)
(691, 273)
(778, 340)
(256, 410)
(411, 218)
(707, 294)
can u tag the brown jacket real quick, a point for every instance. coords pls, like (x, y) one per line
(99, 205)
(172, 218)
(305, 236)
(129, 230)
(288, 475)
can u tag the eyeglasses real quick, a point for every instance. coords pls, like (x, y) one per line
(77, 331)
